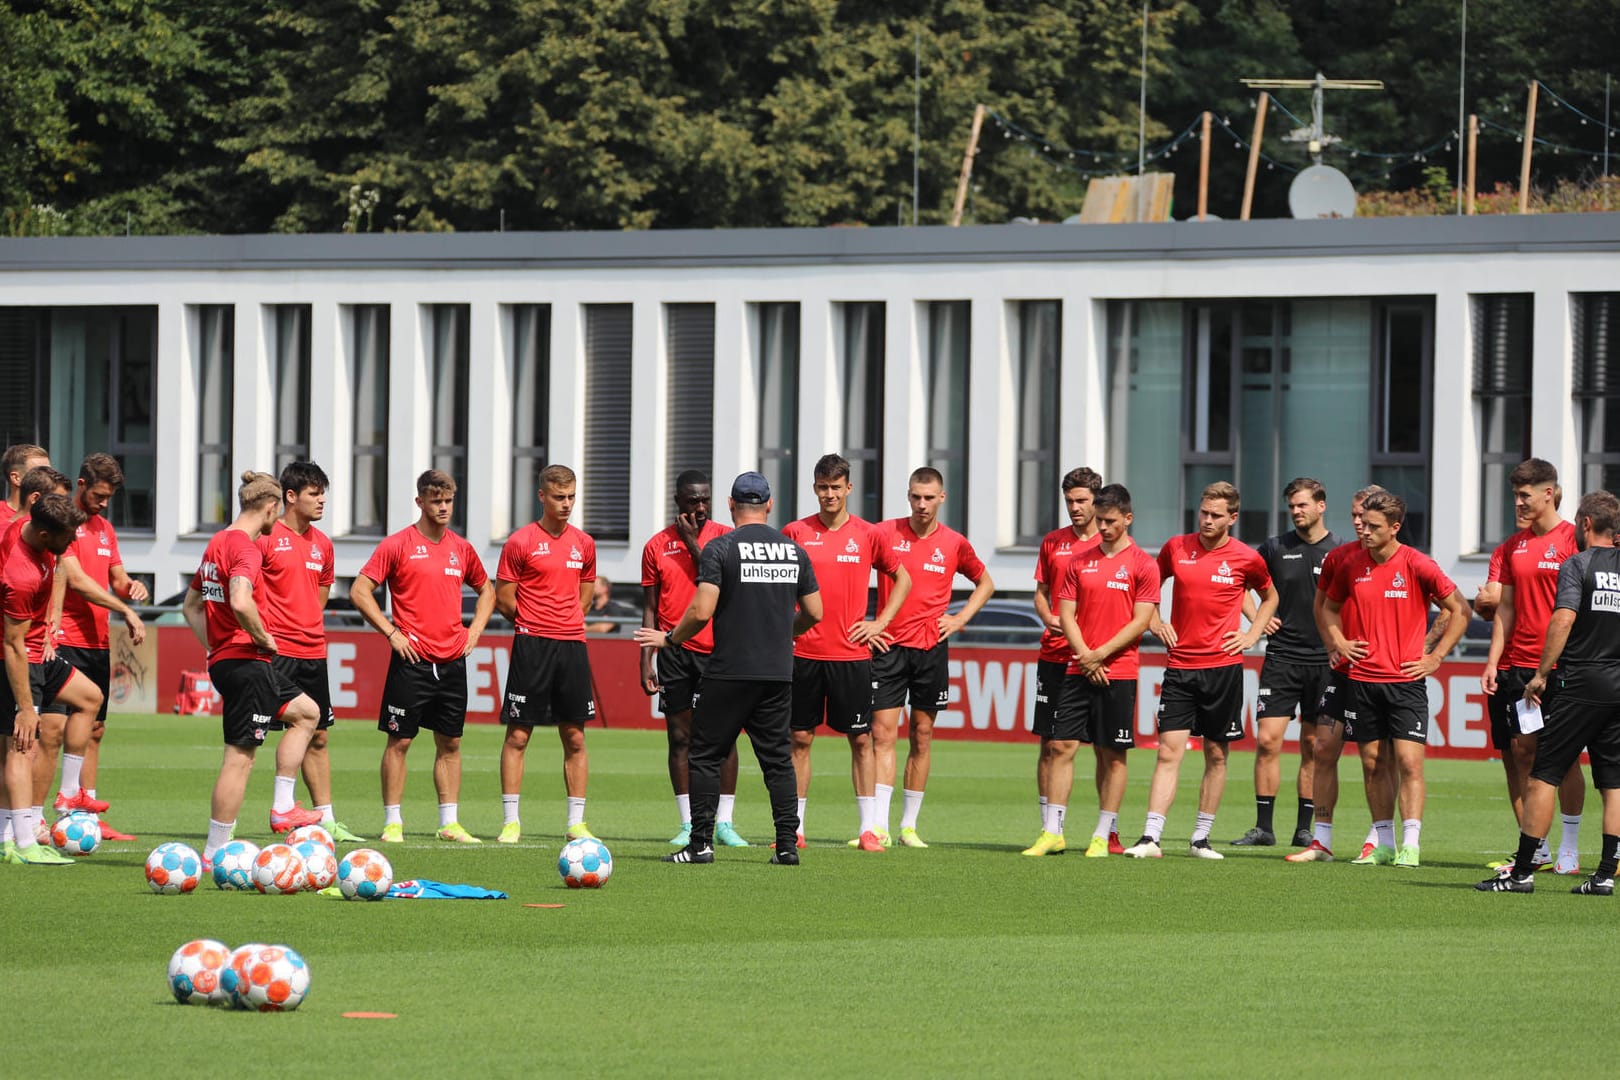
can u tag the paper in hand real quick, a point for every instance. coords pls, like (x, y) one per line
(1530, 720)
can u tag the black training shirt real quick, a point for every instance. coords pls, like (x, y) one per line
(1295, 565)
(1589, 585)
(760, 574)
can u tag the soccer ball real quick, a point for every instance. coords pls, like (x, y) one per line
(320, 865)
(364, 874)
(585, 864)
(278, 869)
(233, 865)
(305, 833)
(271, 978)
(195, 972)
(76, 834)
(234, 974)
(173, 868)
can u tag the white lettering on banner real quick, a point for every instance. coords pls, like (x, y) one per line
(993, 693)
(340, 674)
(1437, 701)
(480, 677)
(768, 572)
(1466, 709)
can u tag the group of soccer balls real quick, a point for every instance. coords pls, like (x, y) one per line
(307, 861)
(259, 978)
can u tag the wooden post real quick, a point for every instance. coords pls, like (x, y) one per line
(1254, 155)
(1529, 140)
(1473, 143)
(967, 166)
(1203, 170)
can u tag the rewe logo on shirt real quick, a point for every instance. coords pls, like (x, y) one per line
(936, 563)
(575, 560)
(1607, 595)
(1223, 575)
(1398, 590)
(852, 552)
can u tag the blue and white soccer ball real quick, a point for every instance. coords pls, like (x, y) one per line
(173, 868)
(77, 833)
(196, 972)
(585, 864)
(233, 865)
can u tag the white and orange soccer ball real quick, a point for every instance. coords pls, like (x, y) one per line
(233, 865)
(364, 874)
(196, 972)
(268, 978)
(306, 833)
(173, 868)
(320, 865)
(278, 870)
(585, 863)
(235, 971)
(76, 834)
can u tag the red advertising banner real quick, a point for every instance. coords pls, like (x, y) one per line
(992, 692)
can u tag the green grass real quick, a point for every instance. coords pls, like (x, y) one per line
(963, 959)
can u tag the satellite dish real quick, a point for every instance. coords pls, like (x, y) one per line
(1322, 191)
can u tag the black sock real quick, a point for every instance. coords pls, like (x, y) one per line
(1263, 807)
(1307, 810)
(1611, 856)
(1522, 867)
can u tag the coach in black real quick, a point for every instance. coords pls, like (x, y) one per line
(1583, 643)
(759, 588)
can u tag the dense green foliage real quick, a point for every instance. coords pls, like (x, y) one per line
(203, 116)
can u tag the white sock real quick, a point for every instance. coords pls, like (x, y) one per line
(327, 817)
(72, 766)
(447, 813)
(884, 794)
(285, 789)
(6, 835)
(683, 807)
(36, 815)
(1044, 801)
(1372, 835)
(865, 806)
(391, 815)
(802, 803)
(1107, 823)
(1543, 853)
(1571, 843)
(509, 809)
(1054, 815)
(576, 811)
(911, 808)
(90, 791)
(1204, 826)
(727, 807)
(219, 834)
(1410, 828)
(1322, 833)
(1153, 829)
(1385, 832)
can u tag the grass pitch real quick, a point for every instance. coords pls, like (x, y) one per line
(964, 959)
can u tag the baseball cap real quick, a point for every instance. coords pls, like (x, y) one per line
(751, 487)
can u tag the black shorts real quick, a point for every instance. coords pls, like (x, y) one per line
(1050, 686)
(1573, 726)
(1286, 687)
(310, 677)
(1504, 703)
(548, 684)
(1338, 698)
(679, 673)
(1398, 710)
(95, 665)
(255, 696)
(45, 681)
(431, 694)
(921, 677)
(838, 692)
(1205, 701)
(1101, 715)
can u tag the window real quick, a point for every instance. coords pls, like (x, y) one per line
(776, 370)
(1502, 361)
(1145, 361)
(529, 372)
(1040, 342)
(689, 407)
(1597, 388)
(607, 421)
(949, 324)
(1403, 381)
(24, 333)
(290, 324)
(214, 334)
(861, 377)
(448, 373)
(368, 375)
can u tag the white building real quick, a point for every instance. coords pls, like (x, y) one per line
(1429, 355)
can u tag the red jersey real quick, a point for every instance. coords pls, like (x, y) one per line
(1530, 566)
(1392, 608)
(12, 537)
(7, 514)
(548, 571)
(1051, 565)
(297, 566)
(84, 625)
(1208, 602)
(843, 560)
(933, 562)
(424, 582)
(1105, 590)
(231, 553)
(26, 586)
(666, 563)
(1347, 612)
